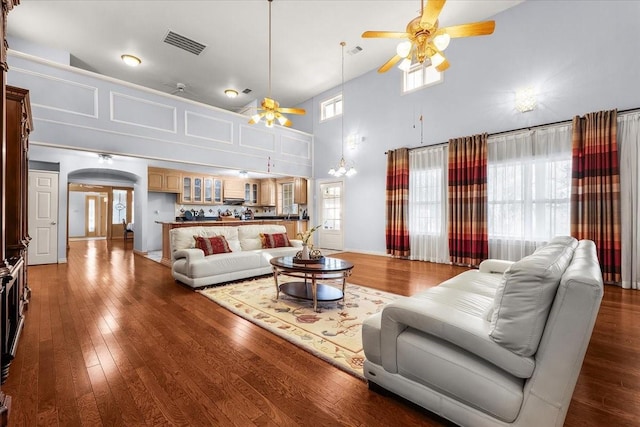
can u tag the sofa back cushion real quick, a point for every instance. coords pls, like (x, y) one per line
(249, 235)
(525, 295)
(212, 245)
(274, 240)
(183, 237)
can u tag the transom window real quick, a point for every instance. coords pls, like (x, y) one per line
(331, 108)
(419, 76)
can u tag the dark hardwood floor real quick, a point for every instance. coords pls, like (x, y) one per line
(111, 339)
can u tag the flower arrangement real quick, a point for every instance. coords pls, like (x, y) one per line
(307, 234)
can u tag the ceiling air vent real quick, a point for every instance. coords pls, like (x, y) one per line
(247, 90)
(184, 43)
(355, 50)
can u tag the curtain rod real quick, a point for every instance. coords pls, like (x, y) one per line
(630, 110)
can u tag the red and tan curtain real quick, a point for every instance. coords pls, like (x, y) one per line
(595, 188)
(468, 237)
(397, 227)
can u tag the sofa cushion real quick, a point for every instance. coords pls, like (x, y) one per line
(524, 297)
(459, 374)
(249, 235)
(212, 245)
(274, 240)
(230, 233)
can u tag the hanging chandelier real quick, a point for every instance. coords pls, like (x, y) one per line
(343, 168)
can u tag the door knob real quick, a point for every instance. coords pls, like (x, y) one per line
(53, 223)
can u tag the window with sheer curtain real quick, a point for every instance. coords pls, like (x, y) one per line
(528, 190)
(428, 237)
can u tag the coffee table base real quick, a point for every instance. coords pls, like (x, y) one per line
(304, 290)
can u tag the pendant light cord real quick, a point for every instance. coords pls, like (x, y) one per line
(270, 1)
(342, 89)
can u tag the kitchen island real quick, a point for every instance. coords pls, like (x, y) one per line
(293, 226)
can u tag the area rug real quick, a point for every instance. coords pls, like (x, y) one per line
(334, 334)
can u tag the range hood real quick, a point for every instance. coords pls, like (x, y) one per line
(232, 201)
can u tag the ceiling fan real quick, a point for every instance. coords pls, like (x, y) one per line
(425, 40)
(270, 108)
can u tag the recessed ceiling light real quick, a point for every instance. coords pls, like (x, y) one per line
(130, 60)
(231, 93)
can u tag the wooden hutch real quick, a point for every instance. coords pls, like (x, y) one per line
(13, 220)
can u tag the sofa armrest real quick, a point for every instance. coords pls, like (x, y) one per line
(437, 314)
(497, 266)
(190, 254)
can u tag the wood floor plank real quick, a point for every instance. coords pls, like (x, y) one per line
(111, 339)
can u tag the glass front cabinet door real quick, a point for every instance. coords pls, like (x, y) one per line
(186, 189)
(208, 190)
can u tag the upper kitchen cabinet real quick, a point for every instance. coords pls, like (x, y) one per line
(164, 180)
(268, 192)
(251, 190)
(300, 191)
(201, 190)
(233, 189)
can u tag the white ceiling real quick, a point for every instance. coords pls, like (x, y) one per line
(306, 36)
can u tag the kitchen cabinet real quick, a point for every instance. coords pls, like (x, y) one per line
(200, 190)
(294, 227)
(233, 189)
(300, 191)
(163, 180)
(268, 192)
(251, 190)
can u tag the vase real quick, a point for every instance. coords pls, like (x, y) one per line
(305, 251)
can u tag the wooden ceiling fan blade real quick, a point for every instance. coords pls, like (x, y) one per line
(292, 110)
(384, 34)
(390, 63)
(431, 12)
(443, 65)
(470, 30)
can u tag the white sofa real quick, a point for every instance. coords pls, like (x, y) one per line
(247, 259)
(498, 346)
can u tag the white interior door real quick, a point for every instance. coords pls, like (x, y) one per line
(43, 217)
(330, 203)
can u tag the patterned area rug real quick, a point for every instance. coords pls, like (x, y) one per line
(334, 334)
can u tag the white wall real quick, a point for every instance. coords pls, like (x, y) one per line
(161, 207)
(581, 56)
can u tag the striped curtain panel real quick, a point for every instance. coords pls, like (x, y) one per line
(595, 188)
(397, 226)
(468, 237)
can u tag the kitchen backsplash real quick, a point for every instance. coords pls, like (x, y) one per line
(212, 211)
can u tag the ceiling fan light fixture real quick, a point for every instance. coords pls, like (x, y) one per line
(130, 60)
(442, 41)
(282, 120)
(437, 59)
(231, 93)
(256, 118)
(403, 49)
(352, 171)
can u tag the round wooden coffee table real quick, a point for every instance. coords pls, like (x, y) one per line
(310, 289)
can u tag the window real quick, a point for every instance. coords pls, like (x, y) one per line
(331, 108)
(119, 206)
(428, 189)
(528, 190)
(419, 76)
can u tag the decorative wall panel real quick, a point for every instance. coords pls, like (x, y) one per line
(57, 94)
(255, 137)
(140, 112)
(206, 127)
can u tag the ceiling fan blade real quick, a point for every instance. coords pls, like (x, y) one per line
(292, 110)
(384, 34)
(390, 63)
(443, 66)
(469, 30)
(431, 12)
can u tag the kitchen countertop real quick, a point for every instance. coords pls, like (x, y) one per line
(232, 221)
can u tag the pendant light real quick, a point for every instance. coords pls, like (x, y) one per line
(342, 168)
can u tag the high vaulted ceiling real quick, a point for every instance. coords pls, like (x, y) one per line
(306, 36)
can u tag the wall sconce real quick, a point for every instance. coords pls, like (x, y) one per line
(105, 158)
(353, 140)
(525, 99)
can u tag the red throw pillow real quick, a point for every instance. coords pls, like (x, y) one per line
(277, 240)
(212, 245)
